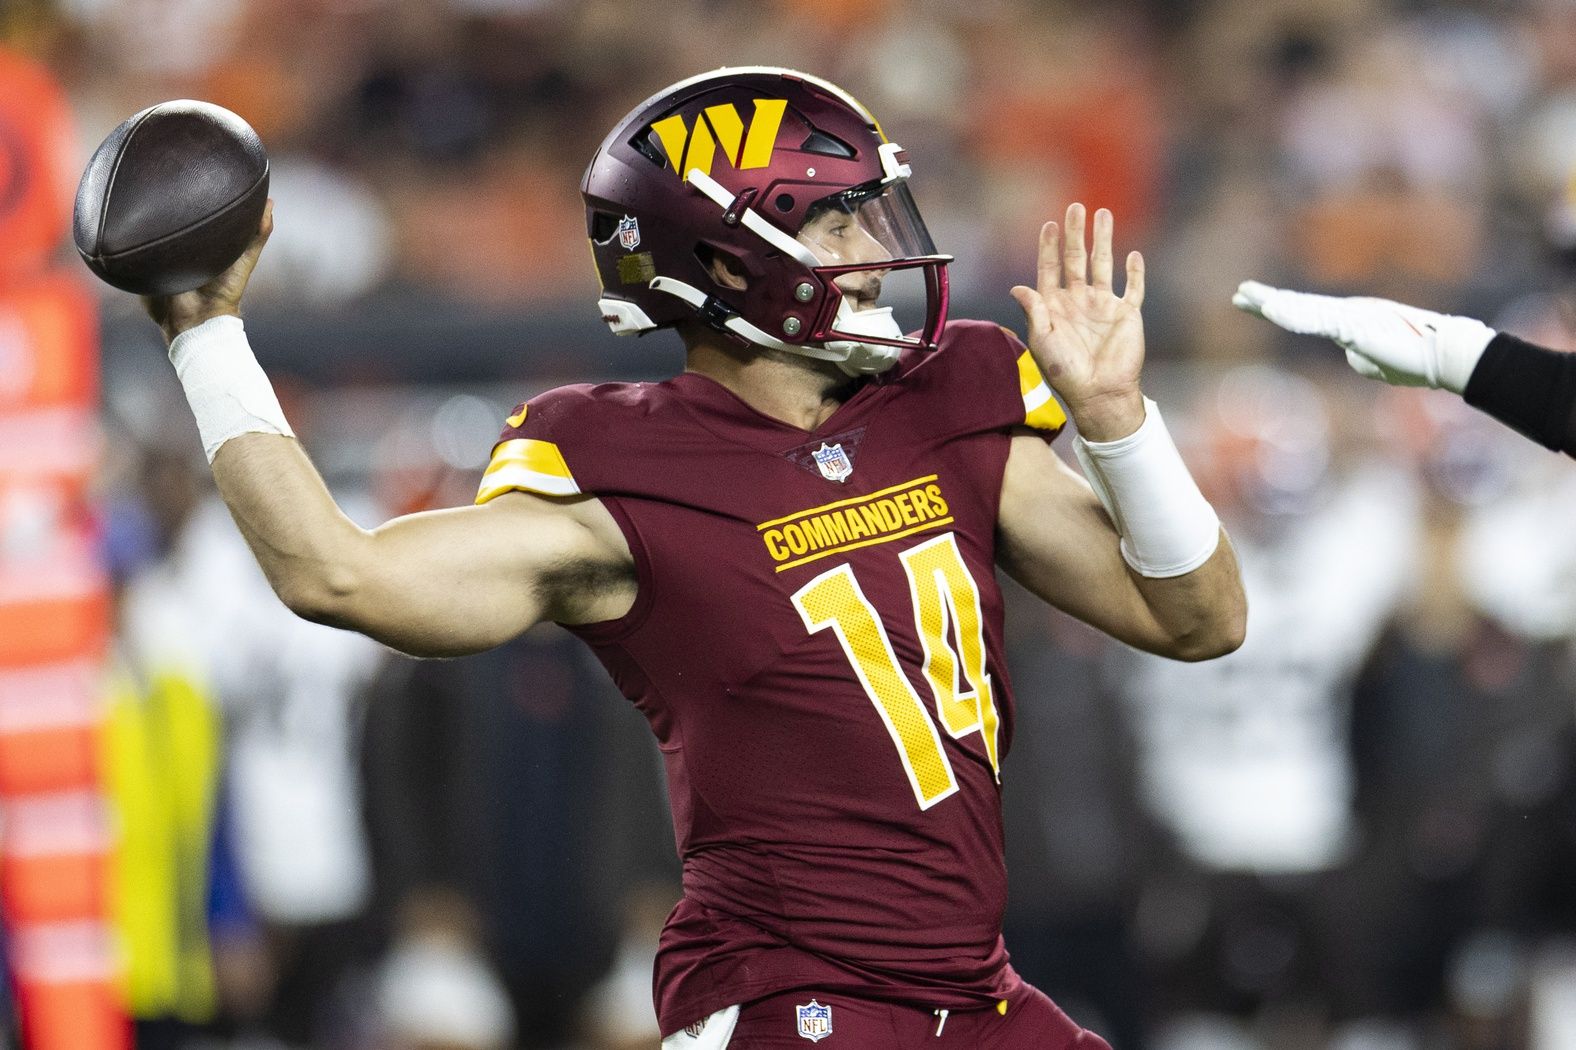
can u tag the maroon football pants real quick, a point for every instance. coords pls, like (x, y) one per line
(1030, 1022)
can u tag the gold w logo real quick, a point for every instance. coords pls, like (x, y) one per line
(722, 126)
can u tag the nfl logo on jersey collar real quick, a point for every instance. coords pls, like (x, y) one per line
(833, 461)
(815, 1021)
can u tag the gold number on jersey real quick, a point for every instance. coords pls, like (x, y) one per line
(943, 593)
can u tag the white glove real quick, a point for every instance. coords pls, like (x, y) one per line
(1400, 344)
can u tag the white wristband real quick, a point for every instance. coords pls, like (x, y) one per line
(1168, 528)
(224, 384)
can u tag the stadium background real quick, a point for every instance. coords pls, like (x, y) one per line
(1358, 833)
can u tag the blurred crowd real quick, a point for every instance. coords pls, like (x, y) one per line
(1356, 833)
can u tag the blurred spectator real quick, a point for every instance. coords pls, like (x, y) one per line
(1245, 760)
(435, 990)
(617, 1013)
(1244, 757)
(202, 647)
(291, 690)
(163, 743)
(338, 244)
(1079, 845)
(516, 781)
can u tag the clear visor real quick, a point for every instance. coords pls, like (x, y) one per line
(867, 224)
(873, 247)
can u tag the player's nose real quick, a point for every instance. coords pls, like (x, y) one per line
(865, 248)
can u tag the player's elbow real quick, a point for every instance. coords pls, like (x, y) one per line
(1208, 647)
(1219, 634)
(326, 595)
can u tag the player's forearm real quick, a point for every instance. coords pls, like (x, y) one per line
(1058, 539)
(307, 548)
(1182, 566)
(309, 551)
(1202, 614)
(1528, 388)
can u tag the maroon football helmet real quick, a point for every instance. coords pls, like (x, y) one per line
(730, 166)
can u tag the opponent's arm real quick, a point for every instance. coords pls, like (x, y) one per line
(1526, 387)
(442, 583)
(1138, 553)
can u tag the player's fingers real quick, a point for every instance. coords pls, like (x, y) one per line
(1362, 366)
(1251, 296)
(1101, 262)
(1075, 259)
(157, 306)
(1300, 313)
(1035, 311)
(1050, 261)
(265, 229)
(1134, 293)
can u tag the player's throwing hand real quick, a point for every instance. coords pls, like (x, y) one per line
(1088, 340)
(219, 297)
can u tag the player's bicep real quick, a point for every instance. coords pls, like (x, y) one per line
(1055, 538)
(451, 582)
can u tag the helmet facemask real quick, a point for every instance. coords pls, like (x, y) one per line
(871, 243)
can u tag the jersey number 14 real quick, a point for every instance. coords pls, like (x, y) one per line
(944, 595)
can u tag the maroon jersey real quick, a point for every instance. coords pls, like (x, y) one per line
(817, 644)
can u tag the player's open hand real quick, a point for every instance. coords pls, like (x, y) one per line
(174, 314)
(1088, 340)
(1395, 343)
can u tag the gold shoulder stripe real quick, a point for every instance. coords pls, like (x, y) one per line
(1029, 377)
(1040, 409)
(529, 465)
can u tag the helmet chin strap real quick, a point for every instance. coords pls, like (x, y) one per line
(852, 356)
(860, 358)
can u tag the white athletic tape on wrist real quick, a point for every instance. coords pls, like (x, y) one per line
(1168, 528)
(226, 387)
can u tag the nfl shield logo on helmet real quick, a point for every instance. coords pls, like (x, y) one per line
(815, 1021)
(629, 232)
(833, 461)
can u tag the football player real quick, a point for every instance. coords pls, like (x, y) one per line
(1527, 387)
(785, 555)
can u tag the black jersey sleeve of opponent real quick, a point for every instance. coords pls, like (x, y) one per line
(1528, 388)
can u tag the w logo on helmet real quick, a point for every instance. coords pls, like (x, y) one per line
(721, 125)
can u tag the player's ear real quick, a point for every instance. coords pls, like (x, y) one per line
(723, 268)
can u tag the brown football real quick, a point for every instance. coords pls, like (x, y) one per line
(171, 198)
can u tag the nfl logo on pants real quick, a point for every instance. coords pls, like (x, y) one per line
(815, 1021)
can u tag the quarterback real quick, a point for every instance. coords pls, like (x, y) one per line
(785, 555)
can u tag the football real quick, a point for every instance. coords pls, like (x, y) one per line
(171, 198)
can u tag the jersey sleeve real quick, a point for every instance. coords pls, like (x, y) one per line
(528, 456)
(998, 384)
(1041, 410)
